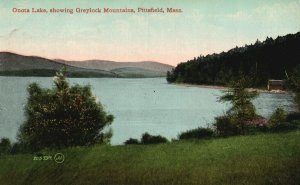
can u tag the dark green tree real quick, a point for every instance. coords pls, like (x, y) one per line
(62, 116)
(270, 59)
(5, 145)
(294, 81)
(242, 109)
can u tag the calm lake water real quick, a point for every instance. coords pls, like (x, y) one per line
(139, 105)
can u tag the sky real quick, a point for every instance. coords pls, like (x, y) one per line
(204, 27)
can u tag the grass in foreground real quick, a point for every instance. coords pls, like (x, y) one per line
(257, 159)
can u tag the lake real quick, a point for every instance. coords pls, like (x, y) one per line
(139, 105)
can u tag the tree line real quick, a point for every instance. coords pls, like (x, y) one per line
(270, 59)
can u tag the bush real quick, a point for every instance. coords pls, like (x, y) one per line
(297, 100)
(226, 126)
(278, 116)
(131, 141)
(5, 146)
(296, 123)
(149, 139)
(293, 116)
(198, 133)
(19, 148)
(240, 98)
(242, 110)
(258, 124)
(63, 116)
(284, 126)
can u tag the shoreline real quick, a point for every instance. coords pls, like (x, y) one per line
(226, 88)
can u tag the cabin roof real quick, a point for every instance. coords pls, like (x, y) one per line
(276, 82)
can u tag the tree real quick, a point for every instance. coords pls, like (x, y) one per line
(62, 116)
(5, 145)
(271, 59)
(240, 99)
(279, 116)
(294, 81)
(242, 109)
(150, 139)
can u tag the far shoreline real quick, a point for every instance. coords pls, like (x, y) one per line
(219, 87)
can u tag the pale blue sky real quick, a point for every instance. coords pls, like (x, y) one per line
(205, 26)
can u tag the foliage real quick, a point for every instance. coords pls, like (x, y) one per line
(150, 139)
(283, 126)
(226, 126)
(242, 110)
(132, 141)
(19, 147)
(105, 137)
(242, 107)
(258, 124)
(62, 116)
(279, 122)
(270, 59)
(294, 79)
(197, 133)
(297, 99)
(294, 82)
(293, 116)
(5, 145)
(278, 116)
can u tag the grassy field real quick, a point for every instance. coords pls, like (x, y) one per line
(258, 159)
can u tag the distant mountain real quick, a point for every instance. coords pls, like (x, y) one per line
(124, 69)
(133, 72)
(111, 65)
(12, 64)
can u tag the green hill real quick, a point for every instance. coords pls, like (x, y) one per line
(12, 64)
(256, 160)
(134, 72)
(270, 59)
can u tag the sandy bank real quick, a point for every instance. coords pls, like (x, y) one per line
(226, 88)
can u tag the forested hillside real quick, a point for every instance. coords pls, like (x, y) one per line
(270, 59)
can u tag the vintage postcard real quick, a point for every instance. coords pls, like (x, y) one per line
(149, 92)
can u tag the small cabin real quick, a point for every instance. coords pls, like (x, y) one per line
(275, 85)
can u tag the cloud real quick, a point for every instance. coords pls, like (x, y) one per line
(268, 13)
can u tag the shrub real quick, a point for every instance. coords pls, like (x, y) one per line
(297, 100)
(149, 139)
(242, 109)
(62, 116)
(131, 141)
(19, 148)
(197, 133)
(279, 121)
(226, 126)
(296, 123)
(5, 146)
(278, 116)
(284, 126)
(104, 137)
(256, 125)
(240, 98)
(293, 116)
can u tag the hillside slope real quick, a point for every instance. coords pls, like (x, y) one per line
(249, 160)
(270, 59)
(111, 65)
(11, 63)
